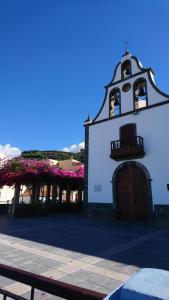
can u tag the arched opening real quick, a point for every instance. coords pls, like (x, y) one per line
(114, 103)
(126, 69)
(140, 93)
(132, 192)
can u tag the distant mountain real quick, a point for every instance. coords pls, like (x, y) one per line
(53, 154)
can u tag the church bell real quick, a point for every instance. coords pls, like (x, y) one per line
(127, 72)
(141, 92)
(116, 102)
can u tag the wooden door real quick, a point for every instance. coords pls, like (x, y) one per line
(127, 134)
(132, 193)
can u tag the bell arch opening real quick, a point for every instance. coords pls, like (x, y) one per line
(126, 69)
(140, 96)
(115, 102)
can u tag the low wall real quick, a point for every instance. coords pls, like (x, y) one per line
(4, 209)
(102, 211)
(105, 211)
(161, 213)
(35, 209)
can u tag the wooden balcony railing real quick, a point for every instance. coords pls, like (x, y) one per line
(48, 285)
(127, 149)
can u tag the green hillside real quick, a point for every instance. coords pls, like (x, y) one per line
(53, 154)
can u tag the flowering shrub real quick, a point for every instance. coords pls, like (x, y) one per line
(27, 171)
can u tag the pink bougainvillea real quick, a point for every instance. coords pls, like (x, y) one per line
(27, 171)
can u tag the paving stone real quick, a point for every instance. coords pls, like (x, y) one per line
(55, 298)
(18, 288)
(90, 259)
(6, 281)
(111, 284)
(92, 286)
(82, 274)
(104, 263)
(97, 279)
(122, 277)
(39, 295)
(72, 279)
(47, 262)
(35, 268)
(122, 268)
(83, 252)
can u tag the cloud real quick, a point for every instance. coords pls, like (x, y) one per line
(9, 151)
(74, 148)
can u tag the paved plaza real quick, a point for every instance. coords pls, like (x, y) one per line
(88, 253)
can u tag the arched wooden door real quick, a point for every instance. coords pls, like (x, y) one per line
(132, 193)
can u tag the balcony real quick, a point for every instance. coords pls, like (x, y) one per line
(127, 149)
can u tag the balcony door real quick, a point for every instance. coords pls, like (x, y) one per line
(128, 134)
(132, 193)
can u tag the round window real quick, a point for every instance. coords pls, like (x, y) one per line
(126, 87)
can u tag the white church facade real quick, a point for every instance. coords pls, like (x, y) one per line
(127, 148)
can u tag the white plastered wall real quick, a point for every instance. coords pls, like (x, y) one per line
(152, 125)
(6, 194)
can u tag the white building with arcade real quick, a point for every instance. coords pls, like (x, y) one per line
(127, 148)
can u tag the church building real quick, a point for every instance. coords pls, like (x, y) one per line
(127, 148)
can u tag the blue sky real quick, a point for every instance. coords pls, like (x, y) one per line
(57, 55)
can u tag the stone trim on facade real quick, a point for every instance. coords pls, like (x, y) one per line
(102, 211)
(161, 212)
(85, 202)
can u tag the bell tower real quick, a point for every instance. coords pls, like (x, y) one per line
(131, 89)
